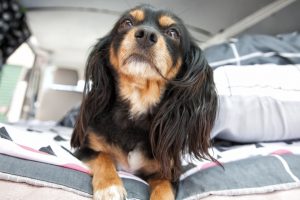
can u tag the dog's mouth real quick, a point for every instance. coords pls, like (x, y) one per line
(137, 58)
(140, 59)
(139, 64)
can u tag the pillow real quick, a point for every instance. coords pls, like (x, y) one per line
(256, 49)
(258, 103)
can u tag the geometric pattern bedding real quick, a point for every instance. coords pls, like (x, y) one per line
(43, 158)
(256, 49)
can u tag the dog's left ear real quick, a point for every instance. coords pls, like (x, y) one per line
(186, 117)
(98, 91)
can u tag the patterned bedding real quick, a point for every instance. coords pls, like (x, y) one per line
(43, 158)
(282, 49)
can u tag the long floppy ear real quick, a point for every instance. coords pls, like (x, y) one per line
(186, 116)
(97, 90)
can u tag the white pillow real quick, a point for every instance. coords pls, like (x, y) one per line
(258, 103)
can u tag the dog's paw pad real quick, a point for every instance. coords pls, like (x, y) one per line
(114, 192)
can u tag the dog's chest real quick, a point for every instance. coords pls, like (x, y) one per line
(138, 163)
(142, 96)
(135, 161)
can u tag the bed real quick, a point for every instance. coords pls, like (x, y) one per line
(256, 136)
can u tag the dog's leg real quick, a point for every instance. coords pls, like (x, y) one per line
(161, 189)
(107, 185)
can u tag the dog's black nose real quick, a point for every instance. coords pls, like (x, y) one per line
(145, 37)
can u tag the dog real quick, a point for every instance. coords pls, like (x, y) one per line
(149, 98)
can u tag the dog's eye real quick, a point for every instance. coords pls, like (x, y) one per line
(173, 33)
(127, 23)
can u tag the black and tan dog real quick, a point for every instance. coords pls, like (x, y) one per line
(149, 98)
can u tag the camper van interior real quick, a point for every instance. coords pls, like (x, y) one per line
(253, 48)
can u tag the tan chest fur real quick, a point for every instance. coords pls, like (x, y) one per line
(140, 93)
(134, 161)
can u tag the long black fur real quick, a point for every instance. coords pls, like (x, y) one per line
(186, 114)
(180, 123)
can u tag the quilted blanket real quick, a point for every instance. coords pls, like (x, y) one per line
(44, 158)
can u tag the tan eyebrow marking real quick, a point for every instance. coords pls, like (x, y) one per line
(138, 14)
(166, 21)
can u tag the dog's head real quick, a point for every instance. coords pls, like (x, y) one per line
(154, 47)
(148, 44)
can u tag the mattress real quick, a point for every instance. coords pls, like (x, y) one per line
(43, 159)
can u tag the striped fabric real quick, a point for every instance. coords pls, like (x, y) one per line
(247, 168)
(256, 49)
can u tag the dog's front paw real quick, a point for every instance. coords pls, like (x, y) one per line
(161, 189)
(113, 192)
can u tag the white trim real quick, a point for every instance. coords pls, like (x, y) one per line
(246, 191)
(191, 172)
(287, 168)
(290, 55)
(253, 55)
(235, 53)
(257, 54)
(124, 174)
(66, 88)
(40, 183)
(222, 62)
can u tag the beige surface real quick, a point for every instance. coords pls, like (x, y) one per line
(293, 194)
(21, 191)
(15, 191)
(65, 76)
(54, 104)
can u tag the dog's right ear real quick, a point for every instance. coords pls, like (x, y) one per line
(97, 90)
